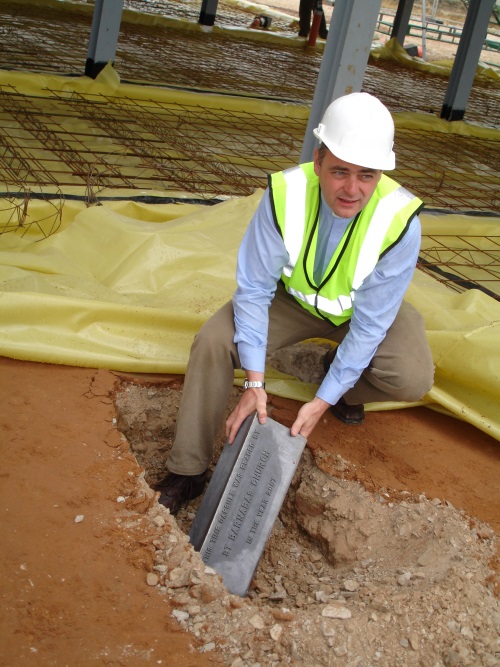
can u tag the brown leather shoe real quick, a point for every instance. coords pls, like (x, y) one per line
(328, 359)
(177, 490)
(349, 414)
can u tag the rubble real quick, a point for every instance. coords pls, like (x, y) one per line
(348, 577)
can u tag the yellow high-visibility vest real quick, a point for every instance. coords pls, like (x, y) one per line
(295, 199)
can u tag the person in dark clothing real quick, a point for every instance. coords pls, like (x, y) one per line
(306, 9)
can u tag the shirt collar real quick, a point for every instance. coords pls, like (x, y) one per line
(329, 212)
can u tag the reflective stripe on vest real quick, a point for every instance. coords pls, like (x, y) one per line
(295, 202)
(381, 221)
(326, 305)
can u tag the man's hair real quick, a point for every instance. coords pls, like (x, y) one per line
(322, 148)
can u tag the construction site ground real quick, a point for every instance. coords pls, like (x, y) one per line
(386, 550)
(81, 539)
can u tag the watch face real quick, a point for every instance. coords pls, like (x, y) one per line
(256, 384)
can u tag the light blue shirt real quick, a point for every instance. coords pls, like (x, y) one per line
(261, 258)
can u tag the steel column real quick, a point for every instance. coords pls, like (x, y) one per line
(104, 35)
(467, 59)
(401, 20)
(208, 12)
(344, 60)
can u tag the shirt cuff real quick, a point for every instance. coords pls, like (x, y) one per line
(254, 359)
(330, 390)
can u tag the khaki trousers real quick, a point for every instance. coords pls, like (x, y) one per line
(401, 370)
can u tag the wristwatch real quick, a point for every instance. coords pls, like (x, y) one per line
(254, 385)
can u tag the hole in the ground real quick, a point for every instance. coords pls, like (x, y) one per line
(298, 566)
(334, 542)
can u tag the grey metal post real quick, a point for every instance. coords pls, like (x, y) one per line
(467, 58)
(208, 12)
(103, 36)
(344, 61)
(401, 20)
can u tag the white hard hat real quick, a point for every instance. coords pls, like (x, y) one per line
(359, 129)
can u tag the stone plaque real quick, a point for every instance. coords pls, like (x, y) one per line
(243, 498)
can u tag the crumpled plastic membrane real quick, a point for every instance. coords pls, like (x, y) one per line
(126, 287)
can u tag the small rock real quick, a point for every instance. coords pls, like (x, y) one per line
(180, 615)
(162, 569)
(278, 595)
(413, 639)
(350, 585)
(336, 611)
(276, 632)
(159, 521)
(404, 579)
(152, 579)
(328, 628)
(467, 632)
(321, 596)
(79, 518)
(208, 647)
(257, 622)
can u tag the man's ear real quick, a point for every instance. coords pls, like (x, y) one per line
(316, 161)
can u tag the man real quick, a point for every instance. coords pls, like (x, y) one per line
(306, 8)
(328, 254)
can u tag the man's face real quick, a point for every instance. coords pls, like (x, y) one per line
(346, 187)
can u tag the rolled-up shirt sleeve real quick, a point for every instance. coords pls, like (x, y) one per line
(261, 258)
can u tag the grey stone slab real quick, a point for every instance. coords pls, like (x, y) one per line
(243, 499)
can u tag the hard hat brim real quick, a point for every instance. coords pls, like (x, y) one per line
(387, 163)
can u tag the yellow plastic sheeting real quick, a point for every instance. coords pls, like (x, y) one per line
(464, 334)
(392, 50)
(128, 289)
(116, 291)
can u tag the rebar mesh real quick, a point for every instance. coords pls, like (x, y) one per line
(463, 261)
(49, 144)
(50, 40)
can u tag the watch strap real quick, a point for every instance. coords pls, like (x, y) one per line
(255, 384)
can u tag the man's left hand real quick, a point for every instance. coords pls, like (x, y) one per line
(308, 416)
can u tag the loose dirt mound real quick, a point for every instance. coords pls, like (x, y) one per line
(349, 577)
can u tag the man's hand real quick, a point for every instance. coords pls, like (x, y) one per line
(308, 416)
(252, 399)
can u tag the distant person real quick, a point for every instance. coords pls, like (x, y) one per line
(261, 22)
(329, 254)
(306, 10)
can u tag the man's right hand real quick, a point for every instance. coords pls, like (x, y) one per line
(251, 401)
